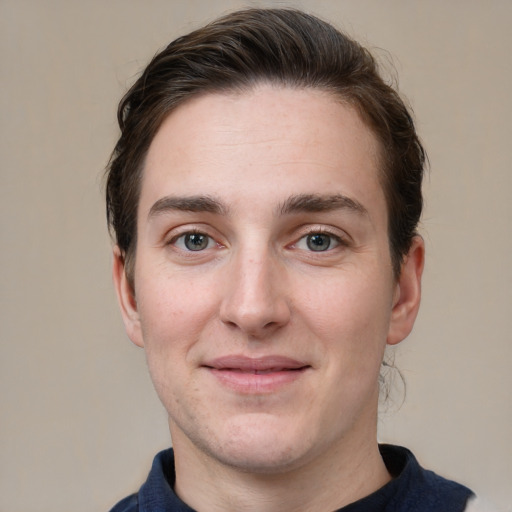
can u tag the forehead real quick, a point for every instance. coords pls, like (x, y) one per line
(260, 142)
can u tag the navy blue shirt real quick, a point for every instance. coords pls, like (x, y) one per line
(413, 489)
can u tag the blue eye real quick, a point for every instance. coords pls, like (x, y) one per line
(194, 242)
(318, 242)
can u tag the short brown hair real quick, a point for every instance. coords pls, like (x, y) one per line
(278, 46)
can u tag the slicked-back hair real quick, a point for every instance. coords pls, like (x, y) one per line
(239, 51)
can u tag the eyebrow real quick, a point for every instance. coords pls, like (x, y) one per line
(301, 203)
(321, 203)
(187, 204)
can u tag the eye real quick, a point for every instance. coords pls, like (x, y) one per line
(318, 242)
(193, 241)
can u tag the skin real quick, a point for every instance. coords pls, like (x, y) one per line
(260, 176)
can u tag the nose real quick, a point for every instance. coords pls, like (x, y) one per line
(254, 299)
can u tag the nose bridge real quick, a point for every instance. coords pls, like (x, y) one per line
(254, 300)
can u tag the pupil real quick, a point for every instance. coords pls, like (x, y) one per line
(318, 242)
(196, 241)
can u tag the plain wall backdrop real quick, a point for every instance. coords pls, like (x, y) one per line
(80, 421)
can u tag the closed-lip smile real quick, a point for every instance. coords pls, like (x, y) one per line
(256, 375)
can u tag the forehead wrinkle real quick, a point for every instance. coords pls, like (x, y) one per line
(315, 203)
(197, 203)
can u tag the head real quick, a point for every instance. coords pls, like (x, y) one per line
(264, 195)
(266, 46)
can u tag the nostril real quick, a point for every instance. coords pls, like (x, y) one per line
(230, 324)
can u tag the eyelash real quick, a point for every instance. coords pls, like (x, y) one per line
(191, 232)
(338, 240)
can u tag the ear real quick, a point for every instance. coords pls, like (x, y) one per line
(406, 301)
(126, 299)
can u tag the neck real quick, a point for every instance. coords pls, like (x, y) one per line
(329, 481)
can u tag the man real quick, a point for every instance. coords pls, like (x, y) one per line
(264, 197)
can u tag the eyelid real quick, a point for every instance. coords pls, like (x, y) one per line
(182, 247)
(180, 231)
(339, 235)
(303, 244)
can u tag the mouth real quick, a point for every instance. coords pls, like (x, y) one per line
(256, 375)
(261, 372)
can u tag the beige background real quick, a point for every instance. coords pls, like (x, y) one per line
(79, 419)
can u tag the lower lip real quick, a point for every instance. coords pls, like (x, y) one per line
(257, 383)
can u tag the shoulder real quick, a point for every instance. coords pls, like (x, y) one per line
(419, 489)
(128, 504)
(157, 491)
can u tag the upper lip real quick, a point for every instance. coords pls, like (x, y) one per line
(244, 363)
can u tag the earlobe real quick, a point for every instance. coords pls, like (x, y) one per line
(406, 301)
(126, 298)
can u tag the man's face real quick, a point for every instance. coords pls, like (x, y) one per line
(264, 292)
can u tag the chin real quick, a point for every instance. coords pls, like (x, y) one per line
(257, 460)
(258, 445)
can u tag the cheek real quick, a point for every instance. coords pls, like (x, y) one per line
(171, 304)
(351, 314)
(173, 316)
(176, 315)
